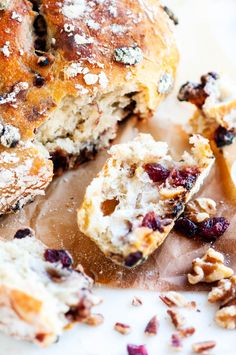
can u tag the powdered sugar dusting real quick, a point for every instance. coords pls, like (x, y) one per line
(74, 8)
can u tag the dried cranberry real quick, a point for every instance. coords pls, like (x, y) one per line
(22, 233)
(81, 311)
(185, 177)
(62, 256)
(212, 228)
(223, 136)
(133, 259)
(152, 221)
(186, 227)
(196, 93)
(152, 326)
(157, 172)
(136, 349)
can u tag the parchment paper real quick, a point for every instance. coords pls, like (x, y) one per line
(53, 217)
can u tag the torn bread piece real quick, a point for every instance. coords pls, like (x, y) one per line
(40, 294)
(25, 172)
(131, 206)
(215, 117)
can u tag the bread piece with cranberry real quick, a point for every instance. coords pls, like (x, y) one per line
(131, 206)
(40, 293)
(215, 116)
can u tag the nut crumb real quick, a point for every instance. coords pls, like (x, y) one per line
(176, 319)
(209, 268)
(186, 332)
(152, 326)
(203, 347)
(94, 319)
(122, 328)
(137, 302)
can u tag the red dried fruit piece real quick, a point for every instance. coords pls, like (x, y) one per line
(185, 177)
(223, 136)
(152, 326)
(157, 172)
(136, 349)
(80, 312)
(62, 256)
(176, 342)
(196, 93)
(154, 222)
(186, 227)
(212, 228)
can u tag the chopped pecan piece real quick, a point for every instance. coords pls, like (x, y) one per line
(209, 268)
(94, 319)
(186, 332)
(226, 317)
(136, 302)
(175, 299)
(224, 292)
(203, 347)
(152, 326)
(200, 209)
(176, 319)
(122, 328)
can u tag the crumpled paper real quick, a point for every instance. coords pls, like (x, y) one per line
(53, 217)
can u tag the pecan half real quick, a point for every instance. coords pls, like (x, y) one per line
(176, 319)
(203, 347)
(209, 268)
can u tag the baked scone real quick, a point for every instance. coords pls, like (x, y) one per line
(215, 116)
(40, 294)
(72, 69)
(131, 206)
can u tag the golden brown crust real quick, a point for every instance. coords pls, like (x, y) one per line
(144, 21)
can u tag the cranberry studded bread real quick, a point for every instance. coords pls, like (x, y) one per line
(131, 206)
(40, 294)
(215, 116)
(72, 69)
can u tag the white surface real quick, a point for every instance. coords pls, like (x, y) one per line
(206, 36)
